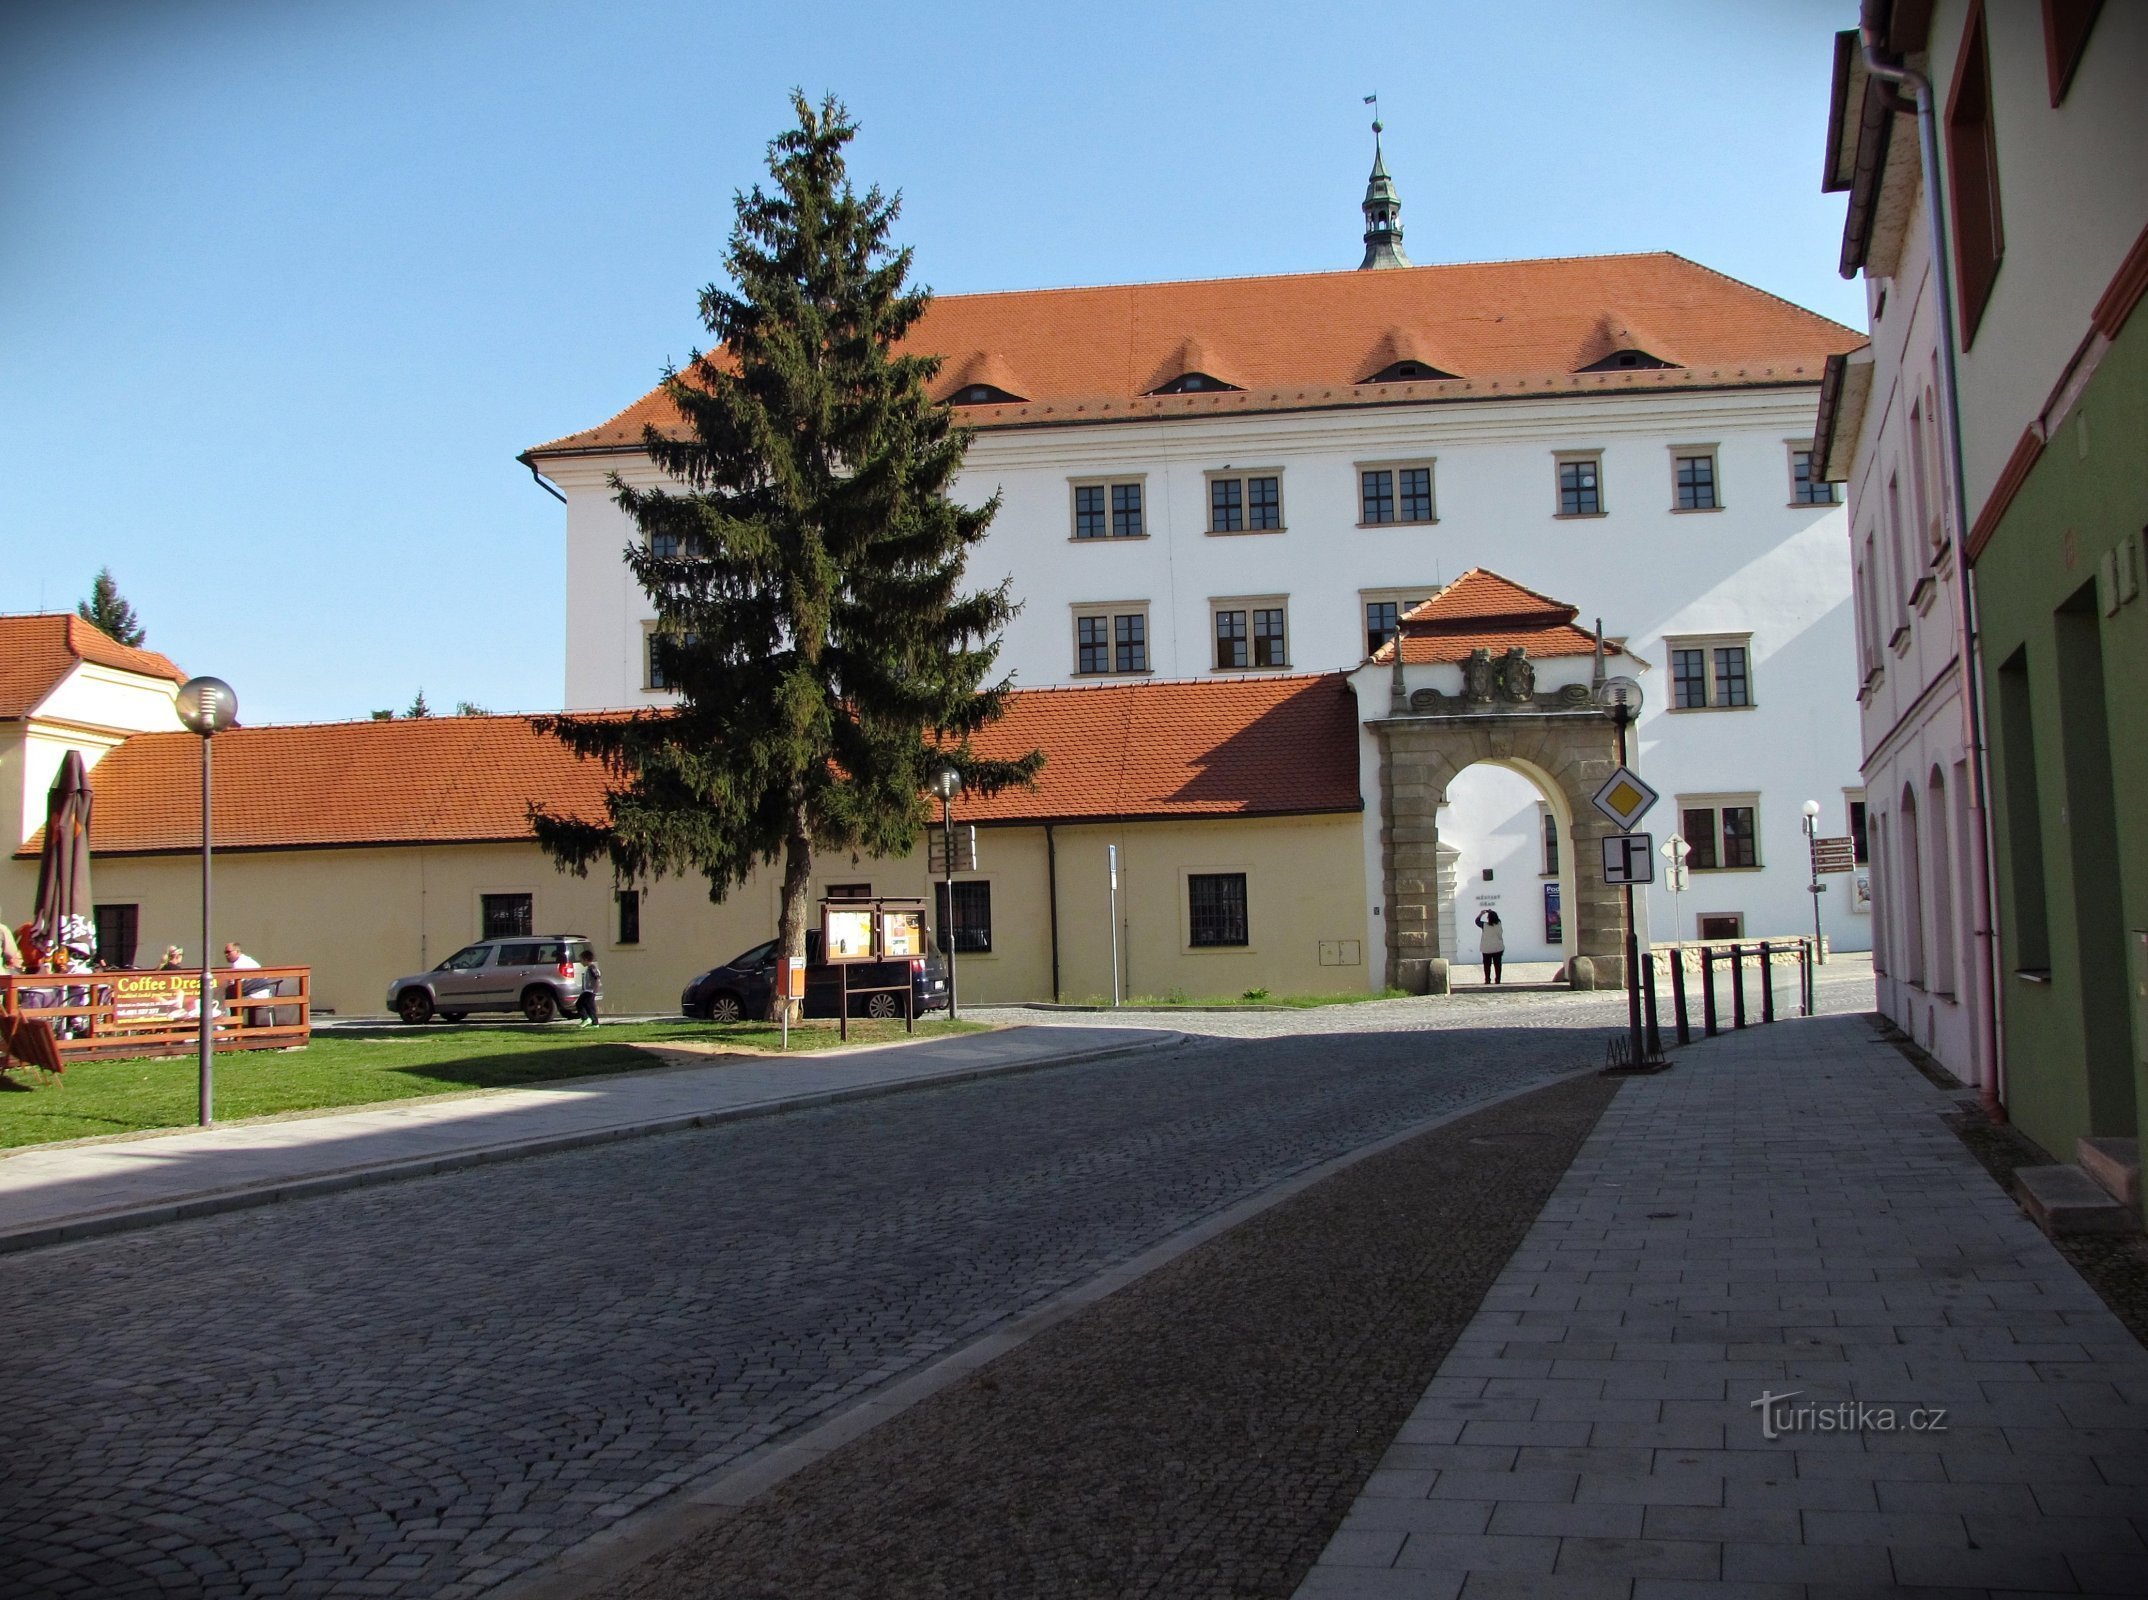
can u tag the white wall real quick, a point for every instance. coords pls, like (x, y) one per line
(1760, 565)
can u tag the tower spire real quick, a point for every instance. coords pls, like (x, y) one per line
(1382, 207)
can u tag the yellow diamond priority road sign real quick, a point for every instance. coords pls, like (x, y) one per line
(1624, 798)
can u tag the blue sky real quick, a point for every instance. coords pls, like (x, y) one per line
(285, 287)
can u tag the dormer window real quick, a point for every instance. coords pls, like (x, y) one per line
(1405, 371)
(1192, 383)
(1627, 361)
(984, 394)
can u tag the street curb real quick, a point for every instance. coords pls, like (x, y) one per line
(97, 1224)
(634, 1538)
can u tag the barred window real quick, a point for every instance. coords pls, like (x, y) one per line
(119, 929)
(1216, 906)
(629, 917)
(971, 923)
(506, 916)
(1580, 491)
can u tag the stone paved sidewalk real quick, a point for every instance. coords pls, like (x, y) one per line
(52, 1194)
(1781, 1212)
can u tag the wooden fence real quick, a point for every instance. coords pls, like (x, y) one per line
(48, 1019)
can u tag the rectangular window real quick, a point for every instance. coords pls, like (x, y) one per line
(1550, 826)
(1130, 643)
(1695, 481)
(1089, 511)
(1860, 843)
(629, 917)
(2020, 820)
(1722, 925)
(664, 546)
(1377, 493)
(1216, 910)
(971, 923)
(1226, 506)
(1581, 486)
(1108, 510)
(1383, 620)
(1126, 511)
(658, 677)
(1807, 487)
(1689, 679)
(119, 930)
(1721, 832)
(1230, 640)
(1111, 639)
(850, 891)
(1250, 634)
(1973, 168)
(1711, 673)
(1250, 503)
(506, 916)
(1395, 494)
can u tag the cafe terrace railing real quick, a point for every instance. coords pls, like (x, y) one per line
(48, 1019)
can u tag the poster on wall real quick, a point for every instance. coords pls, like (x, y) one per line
(1554, 920)
(902, 932)
(846, 932)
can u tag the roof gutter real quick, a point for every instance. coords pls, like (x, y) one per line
(1992, 1088)
(543, 482)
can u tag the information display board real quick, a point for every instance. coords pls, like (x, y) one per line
(846, 931)
(902, 931)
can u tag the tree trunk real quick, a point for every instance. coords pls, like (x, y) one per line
(791, 925)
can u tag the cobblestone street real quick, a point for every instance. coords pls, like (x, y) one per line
(426, 1388)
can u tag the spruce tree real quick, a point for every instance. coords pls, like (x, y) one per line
(418, 707)
(807, 573)
(107, 608)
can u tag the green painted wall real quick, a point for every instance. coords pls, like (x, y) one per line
(2067, 689)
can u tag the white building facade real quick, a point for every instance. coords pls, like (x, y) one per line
(1261, 475)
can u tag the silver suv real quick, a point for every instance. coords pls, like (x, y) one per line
(539, 976)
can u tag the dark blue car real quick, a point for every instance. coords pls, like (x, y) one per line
(739, 988)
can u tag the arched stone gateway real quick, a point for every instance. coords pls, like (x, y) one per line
(1488, 671)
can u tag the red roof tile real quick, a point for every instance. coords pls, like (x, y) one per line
(36, 652)
(1481, 610)
(1506, 329)
(1269, 746)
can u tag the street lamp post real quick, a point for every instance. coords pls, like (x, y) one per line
(1812, 856)
(947, 783)
(1620, 700)
(207, 706)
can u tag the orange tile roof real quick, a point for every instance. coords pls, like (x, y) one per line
(1481, 610)
(1269, 746)
(36, 652)
(1507, 329)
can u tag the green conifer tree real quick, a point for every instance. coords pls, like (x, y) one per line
(418, 707)
(107, 608)
(809, 595)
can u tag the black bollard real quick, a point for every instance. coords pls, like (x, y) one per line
(1648, 999)
(1707, 988)
(1767, 982)
(1737, 986)
(1678, 996)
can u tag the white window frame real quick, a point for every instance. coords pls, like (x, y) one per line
(1139, 480)
(1249, 604)
(1715, 802)
(1245, 502)
(1429, 465)
(1708, 644)
(1112, 610)
(1563, 458)
(1685, 452)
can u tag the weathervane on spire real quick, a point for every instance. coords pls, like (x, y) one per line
(1382, 206)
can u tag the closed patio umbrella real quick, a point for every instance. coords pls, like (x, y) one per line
(64, 909)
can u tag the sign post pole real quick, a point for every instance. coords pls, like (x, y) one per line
(1111, 861)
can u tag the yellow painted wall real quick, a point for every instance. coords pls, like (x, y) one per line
(362, 917)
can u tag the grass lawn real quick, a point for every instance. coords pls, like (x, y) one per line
(360, 1066)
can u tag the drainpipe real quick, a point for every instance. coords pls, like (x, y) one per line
(1992, 1091)
(1051, 881)
(543, 482)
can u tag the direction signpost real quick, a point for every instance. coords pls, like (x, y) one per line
(1625, 799)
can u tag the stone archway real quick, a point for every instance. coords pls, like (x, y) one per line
(1567, 749)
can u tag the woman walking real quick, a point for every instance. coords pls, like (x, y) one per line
(1494, 946)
